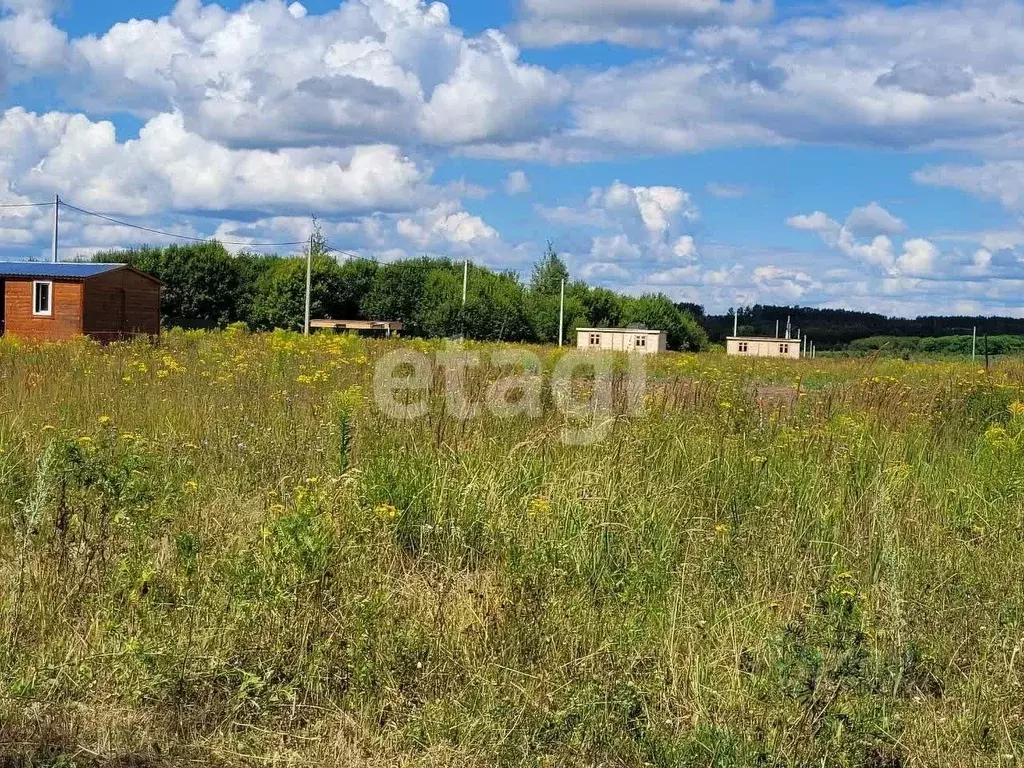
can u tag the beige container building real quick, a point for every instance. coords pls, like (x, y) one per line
(760, 346)
(639, 340)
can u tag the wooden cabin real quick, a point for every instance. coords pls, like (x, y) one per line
(44, 300)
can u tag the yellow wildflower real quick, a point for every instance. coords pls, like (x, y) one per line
(538, 506)
(1016, 408)
(386, 512)
(104, 419)
(995, 435)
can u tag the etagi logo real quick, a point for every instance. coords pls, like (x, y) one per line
(586, 389)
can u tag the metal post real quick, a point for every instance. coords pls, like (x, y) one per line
(56, 225)
(561, 314)
(974, 344)
(465, 281)
(309, 282)
(736, 322)
(776, 329)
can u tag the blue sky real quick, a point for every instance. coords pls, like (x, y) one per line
(862, 155)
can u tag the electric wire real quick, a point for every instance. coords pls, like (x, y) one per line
(172, 234)
(332, 249)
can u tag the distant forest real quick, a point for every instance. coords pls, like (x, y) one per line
(832, 329)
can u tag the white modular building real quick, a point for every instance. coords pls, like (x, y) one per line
(639, 340)
(761, 346)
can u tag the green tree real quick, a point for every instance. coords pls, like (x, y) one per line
(603, 307)
(543, 299)
(317, 241)
(251, 267)
(279, 299)
(397, 292)
(496, 307)
(549, 273)
(439, 314)
(357, 276)
(658, 312)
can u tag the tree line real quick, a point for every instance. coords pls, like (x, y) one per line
(953, 346)
(206, 286)
(833, 329)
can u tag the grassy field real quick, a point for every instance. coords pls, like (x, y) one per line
(218, 551)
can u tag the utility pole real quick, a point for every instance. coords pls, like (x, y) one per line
(974, 344)
(776, 329)
(561, 314)
(736, 322)
(465, 280)
(986, 351)
(309, 281)
(56, 225)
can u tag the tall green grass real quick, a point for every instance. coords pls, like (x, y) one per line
(218, 551)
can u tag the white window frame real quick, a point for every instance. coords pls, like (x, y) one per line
(48, 312)
(783, 349)
(641, 342)
(595, 339)
(743, 348)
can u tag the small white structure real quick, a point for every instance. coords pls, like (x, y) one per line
(639, 340)
(761, 346)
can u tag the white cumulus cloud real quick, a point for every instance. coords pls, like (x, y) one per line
(998, 180)
(919, 257)
(271, 74)
(654, 22)
(169, 168)
(517, 183)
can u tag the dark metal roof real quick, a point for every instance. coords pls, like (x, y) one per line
(56, 271)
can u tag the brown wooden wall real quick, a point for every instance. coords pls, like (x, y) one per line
(64, 323)
(121, 303)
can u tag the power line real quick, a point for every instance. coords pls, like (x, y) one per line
(23, 205)
(332, 249)
(172, 234)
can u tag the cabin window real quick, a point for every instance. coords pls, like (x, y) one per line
(744, 347)
(42, 298)
(641, 341)
(783, 349)
(595, 339)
